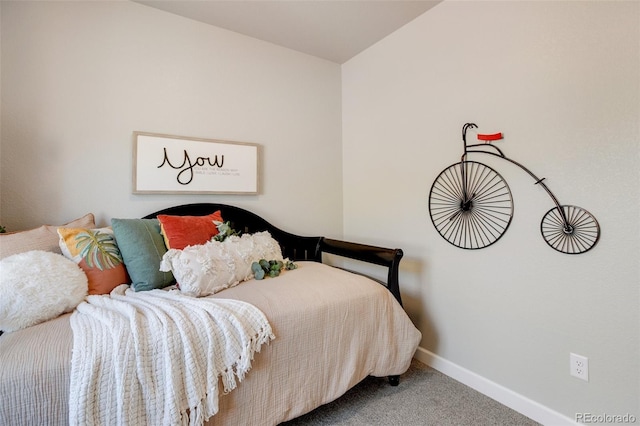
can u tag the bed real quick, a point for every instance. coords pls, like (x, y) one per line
(332, 329)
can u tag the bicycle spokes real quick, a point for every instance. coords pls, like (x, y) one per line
(572, 230)
(471, 205)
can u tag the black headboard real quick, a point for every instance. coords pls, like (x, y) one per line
(297, 247)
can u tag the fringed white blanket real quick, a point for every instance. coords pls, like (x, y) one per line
(155, 357)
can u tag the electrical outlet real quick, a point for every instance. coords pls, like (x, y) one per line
(579, 366)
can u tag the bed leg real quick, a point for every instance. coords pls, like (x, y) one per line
(394, 380)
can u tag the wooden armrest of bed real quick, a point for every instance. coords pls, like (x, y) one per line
(389, 258)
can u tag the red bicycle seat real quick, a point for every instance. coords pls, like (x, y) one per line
(491, 137)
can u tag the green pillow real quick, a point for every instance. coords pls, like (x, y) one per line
(142, 247)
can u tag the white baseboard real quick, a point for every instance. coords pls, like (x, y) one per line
(503, 395)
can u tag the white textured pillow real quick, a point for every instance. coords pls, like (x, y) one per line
(37, 286)
(205, 269)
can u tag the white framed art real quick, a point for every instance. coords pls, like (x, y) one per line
(166, 164)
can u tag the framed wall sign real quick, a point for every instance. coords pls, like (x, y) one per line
(165, 164)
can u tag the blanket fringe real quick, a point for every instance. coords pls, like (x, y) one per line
(243, 365)
(129, 323)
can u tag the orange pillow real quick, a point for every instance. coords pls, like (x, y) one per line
(182, 231)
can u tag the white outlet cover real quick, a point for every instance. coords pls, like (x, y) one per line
(579, 366)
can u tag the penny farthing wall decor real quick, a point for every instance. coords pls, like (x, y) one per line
(471, 205)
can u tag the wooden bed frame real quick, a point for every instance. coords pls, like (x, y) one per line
(299, 248)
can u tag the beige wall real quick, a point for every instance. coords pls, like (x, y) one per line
(79, 77)
(561, 80)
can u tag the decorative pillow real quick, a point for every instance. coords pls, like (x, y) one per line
(142, 248)
(43, 238)
(182, 231)
(96, 252)
(211, 267)
(37, 286)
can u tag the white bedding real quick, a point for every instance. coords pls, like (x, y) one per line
(333, 329)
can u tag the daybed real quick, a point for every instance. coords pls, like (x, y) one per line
(332, 328)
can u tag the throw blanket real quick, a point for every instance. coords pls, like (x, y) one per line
(155, 357)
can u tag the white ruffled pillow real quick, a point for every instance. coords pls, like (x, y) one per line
(37, 286)
(206, 269)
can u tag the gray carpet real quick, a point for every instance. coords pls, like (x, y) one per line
(424, 397)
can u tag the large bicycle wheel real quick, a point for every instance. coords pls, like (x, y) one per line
(577, 235)
(470, 205)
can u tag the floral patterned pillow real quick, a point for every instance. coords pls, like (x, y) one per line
(97, 254)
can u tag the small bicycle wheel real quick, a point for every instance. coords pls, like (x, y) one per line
(578, 234)
(470, 205)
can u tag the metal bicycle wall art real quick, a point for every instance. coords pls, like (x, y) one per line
(471, 205)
